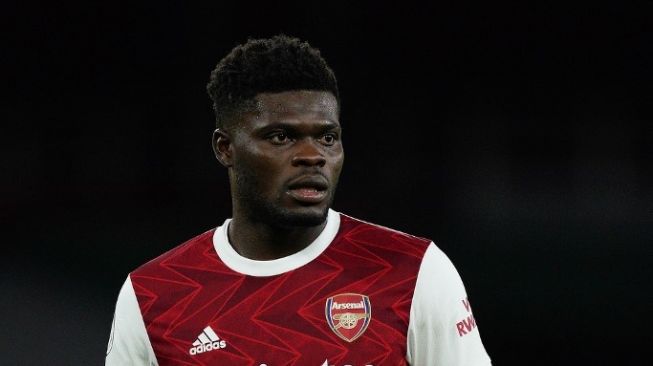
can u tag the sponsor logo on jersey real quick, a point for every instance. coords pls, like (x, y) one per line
(326, 363)
(348, 315)
(467, 324)
(207, 341)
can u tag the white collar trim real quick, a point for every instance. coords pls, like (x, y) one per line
(251, 267)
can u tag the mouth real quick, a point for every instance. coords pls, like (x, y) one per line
(309, 190)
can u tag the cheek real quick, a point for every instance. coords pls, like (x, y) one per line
(337, 162)
(263, 171)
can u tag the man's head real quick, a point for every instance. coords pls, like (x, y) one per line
(278, 131)
(273, 65)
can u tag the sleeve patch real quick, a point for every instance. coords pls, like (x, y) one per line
(467, 324)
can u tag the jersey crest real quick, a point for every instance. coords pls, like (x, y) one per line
(348, 315)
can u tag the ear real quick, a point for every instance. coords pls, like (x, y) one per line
(222, 147)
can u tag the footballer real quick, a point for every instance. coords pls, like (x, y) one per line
(287, 280)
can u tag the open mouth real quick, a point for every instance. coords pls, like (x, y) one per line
(309, 190)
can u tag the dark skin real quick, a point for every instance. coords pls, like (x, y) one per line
(284, 160)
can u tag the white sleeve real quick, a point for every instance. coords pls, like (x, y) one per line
(442, 330)
(129, 344)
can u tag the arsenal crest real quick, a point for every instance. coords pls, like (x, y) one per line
(348, 315)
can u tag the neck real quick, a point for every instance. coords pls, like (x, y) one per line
(262, 241)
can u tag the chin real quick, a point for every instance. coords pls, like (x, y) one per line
(305, 216)
(284, 214)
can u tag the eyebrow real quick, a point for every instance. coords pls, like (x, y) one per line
(323, 124)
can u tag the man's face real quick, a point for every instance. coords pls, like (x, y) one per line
(286, 158)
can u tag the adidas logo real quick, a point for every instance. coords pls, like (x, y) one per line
(207, 341)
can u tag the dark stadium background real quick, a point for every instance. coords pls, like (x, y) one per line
(518, 137)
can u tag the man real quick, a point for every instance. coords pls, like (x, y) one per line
(287, 280)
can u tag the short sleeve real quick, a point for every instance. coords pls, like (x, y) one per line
(442, 330)
(129, 344)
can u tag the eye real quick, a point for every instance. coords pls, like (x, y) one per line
(329, 139)
(278, 138)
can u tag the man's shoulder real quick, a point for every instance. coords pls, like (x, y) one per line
(354, 229)
(190, 250)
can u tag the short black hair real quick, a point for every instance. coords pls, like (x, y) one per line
(270, 65)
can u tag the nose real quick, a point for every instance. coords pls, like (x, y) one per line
(308, 154)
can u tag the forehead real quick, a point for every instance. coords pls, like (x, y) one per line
(319, 104)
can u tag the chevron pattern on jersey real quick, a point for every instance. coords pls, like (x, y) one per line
(280, 320)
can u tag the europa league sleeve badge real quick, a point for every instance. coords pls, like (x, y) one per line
(348, 315)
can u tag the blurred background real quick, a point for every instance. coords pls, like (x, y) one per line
(517, 137)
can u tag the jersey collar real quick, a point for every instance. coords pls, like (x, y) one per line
(251, 267)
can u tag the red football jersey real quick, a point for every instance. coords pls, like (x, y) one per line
(347, 299)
